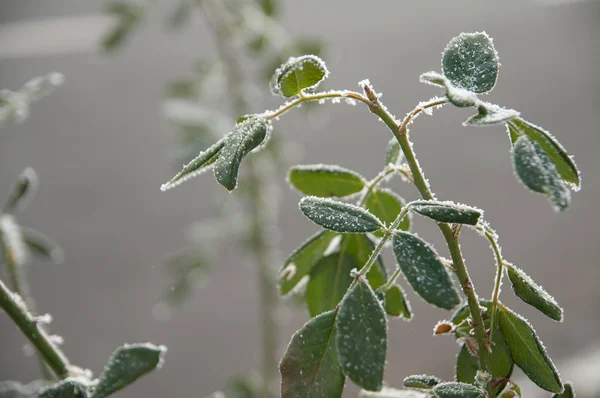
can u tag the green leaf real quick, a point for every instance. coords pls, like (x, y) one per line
(298, 74)
(500, 360)
(387, 392)
(196, 166)
(396, 303)
(360, 247)
(538, 173)
(42, 246)
(362, 337)
(424, 270)
(490, 114)
(68, 388)
(532, 293)
(421, 381)
(339, 216)
(325, 180)
(457, 390)
(14, 389)
(386, 205)
(245, 137)
(447, 212)
(434, 79)
(470, 62)
(303, 259)
(128, 363)
(310, 367)
(568, 392)
(393, 154)
(460, 97)
(554, 150)
(528, 352)
(329, 280)
(23, 191)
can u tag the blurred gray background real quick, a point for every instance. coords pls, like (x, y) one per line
(100, 146)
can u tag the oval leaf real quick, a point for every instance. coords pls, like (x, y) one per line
(127, 364)
(470, 62)
(329, 280)
(457, 390)
(396, 303)
(298, 74)
(490, 114)
(303, 259)
(43, 246)
(362, 337)
(424, 270)
(532, 293)
(528, 352)
(339, 216)
(325, 181)
(245, 136)
(554, 150)
(196, 166)
(421, 381)
(386, 205)
(447, 212)
(23, 191)
(538, 173)
(310, 365)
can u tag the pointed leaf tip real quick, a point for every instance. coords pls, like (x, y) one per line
(470, 62)
(362, 337)
(490, 114)
(424, 270)
(339, 216)
(447, 212)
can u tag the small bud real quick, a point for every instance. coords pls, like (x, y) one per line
(443, 327)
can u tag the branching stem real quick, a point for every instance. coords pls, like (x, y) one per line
(490, 235)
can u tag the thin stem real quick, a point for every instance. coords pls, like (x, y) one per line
(400, 132)
(391, 281)
(314, 97)
(16, 308)
(492, 238)
(373, 183)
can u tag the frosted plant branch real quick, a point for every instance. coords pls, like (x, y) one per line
(269, 115)
(16, 308)
(492, 237)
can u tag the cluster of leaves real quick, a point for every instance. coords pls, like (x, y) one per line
(346, 286)
(17, 245)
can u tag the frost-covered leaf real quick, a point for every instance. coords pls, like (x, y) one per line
(460, 97)
(339, 216)
(433, 78)
(360, 247)
(325, 180)
(68, 388)
(424, 270)
(309, 367)
(14, 105)
(393, 154)
(128, 363)
(329, 280)
(470, 61)
(245, 136)
(362, 337)
(568, 392)
(421, 381)
(448, 212)
(387, 392)
(550, 145)
(538, 173)
(196, 166)
(43, 246)
(14, 389)
(303, 259)
(12, 244)
(386, 205)
(457, 390)
(396, 303)
(532, 293)
(490, 114)
(528, 352)
(22, 192)
(501, 363)
(298, 74)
